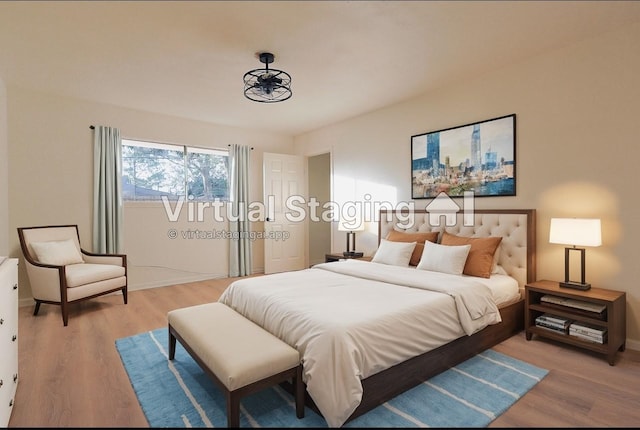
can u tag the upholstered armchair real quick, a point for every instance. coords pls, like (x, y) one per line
(62, 273)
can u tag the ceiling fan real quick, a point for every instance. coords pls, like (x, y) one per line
(267, 85)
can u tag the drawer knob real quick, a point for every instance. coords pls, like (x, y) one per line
(15, 286)
(1, 382)
(13, 338)
(10, 402)
(15, 377)
(1, 321)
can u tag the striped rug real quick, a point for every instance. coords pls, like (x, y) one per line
(179, 394)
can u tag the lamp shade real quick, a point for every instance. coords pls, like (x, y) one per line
(575, 231)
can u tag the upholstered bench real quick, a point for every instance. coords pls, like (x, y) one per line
(237, 354)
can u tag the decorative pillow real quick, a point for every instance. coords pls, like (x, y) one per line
(444, 258)
(57, 252)
(394, 253)
(480, 259)
(419, 238)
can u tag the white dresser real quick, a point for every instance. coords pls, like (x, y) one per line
(8, 336)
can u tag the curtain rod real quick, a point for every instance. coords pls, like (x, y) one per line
(92, 127)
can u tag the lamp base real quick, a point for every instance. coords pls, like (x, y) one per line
(353, 254)
(575, 285)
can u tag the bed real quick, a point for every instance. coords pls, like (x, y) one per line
(368, 331)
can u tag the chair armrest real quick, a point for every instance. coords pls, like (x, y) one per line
(45, 280)
(114, 259)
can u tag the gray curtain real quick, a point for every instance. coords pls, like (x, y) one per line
(240, 243)
(107, 190)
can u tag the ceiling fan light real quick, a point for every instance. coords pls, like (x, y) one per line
(267, 85)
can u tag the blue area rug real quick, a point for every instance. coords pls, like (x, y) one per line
(178, 394)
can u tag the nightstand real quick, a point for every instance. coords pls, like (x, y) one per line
(328, 258)
(594, 319)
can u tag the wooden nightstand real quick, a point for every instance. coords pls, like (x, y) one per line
(582, 308)
(328, 258)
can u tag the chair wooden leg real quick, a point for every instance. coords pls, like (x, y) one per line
(65, 313)
(37, 309)
(124, 295)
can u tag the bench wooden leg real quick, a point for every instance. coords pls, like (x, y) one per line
(299, 392)
(172, 345)
(233, 409)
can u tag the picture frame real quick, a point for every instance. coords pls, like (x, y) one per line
(479, 157)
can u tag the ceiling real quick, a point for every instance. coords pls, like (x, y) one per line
(187, 59)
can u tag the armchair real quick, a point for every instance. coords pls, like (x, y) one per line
(62, 273)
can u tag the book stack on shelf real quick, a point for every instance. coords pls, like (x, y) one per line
(588, 332)
(554, 322)
(590, 309)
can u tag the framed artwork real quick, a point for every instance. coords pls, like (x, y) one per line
(478, 157)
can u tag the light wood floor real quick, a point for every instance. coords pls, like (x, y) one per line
(73, 377)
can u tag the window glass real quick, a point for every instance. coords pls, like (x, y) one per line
(153, 170)
(207, 174)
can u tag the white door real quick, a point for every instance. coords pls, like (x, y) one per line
(285, 242)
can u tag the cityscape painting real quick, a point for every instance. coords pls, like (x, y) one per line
(477, 157)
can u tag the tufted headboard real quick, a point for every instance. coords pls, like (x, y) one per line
(517, 251)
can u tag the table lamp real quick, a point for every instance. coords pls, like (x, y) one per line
(351, 226)
(575, 232)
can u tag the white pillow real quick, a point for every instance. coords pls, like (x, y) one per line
(394, 253)
(57, 252)
(444, 258)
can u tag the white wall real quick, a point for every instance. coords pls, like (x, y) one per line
(4, 173)
(319, 178)
(577, 150)
(51, 153)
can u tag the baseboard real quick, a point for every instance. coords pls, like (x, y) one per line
(185, 280)
(28, 301)
(633, 344)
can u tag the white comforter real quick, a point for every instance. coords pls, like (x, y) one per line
(352, 319)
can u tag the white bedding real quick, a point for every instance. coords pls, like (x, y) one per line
(504, 288)
(352, 319)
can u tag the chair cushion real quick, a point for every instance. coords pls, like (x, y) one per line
(83, 274)
(57, 252)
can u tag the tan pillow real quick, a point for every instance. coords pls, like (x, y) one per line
(419, 238)
(57, 252)
(480, 259)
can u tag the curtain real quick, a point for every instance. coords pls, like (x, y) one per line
(107, 190)
(240, 242)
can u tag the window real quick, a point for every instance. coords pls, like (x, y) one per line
(153, 170)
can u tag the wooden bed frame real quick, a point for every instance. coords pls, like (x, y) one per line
(385, 385)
